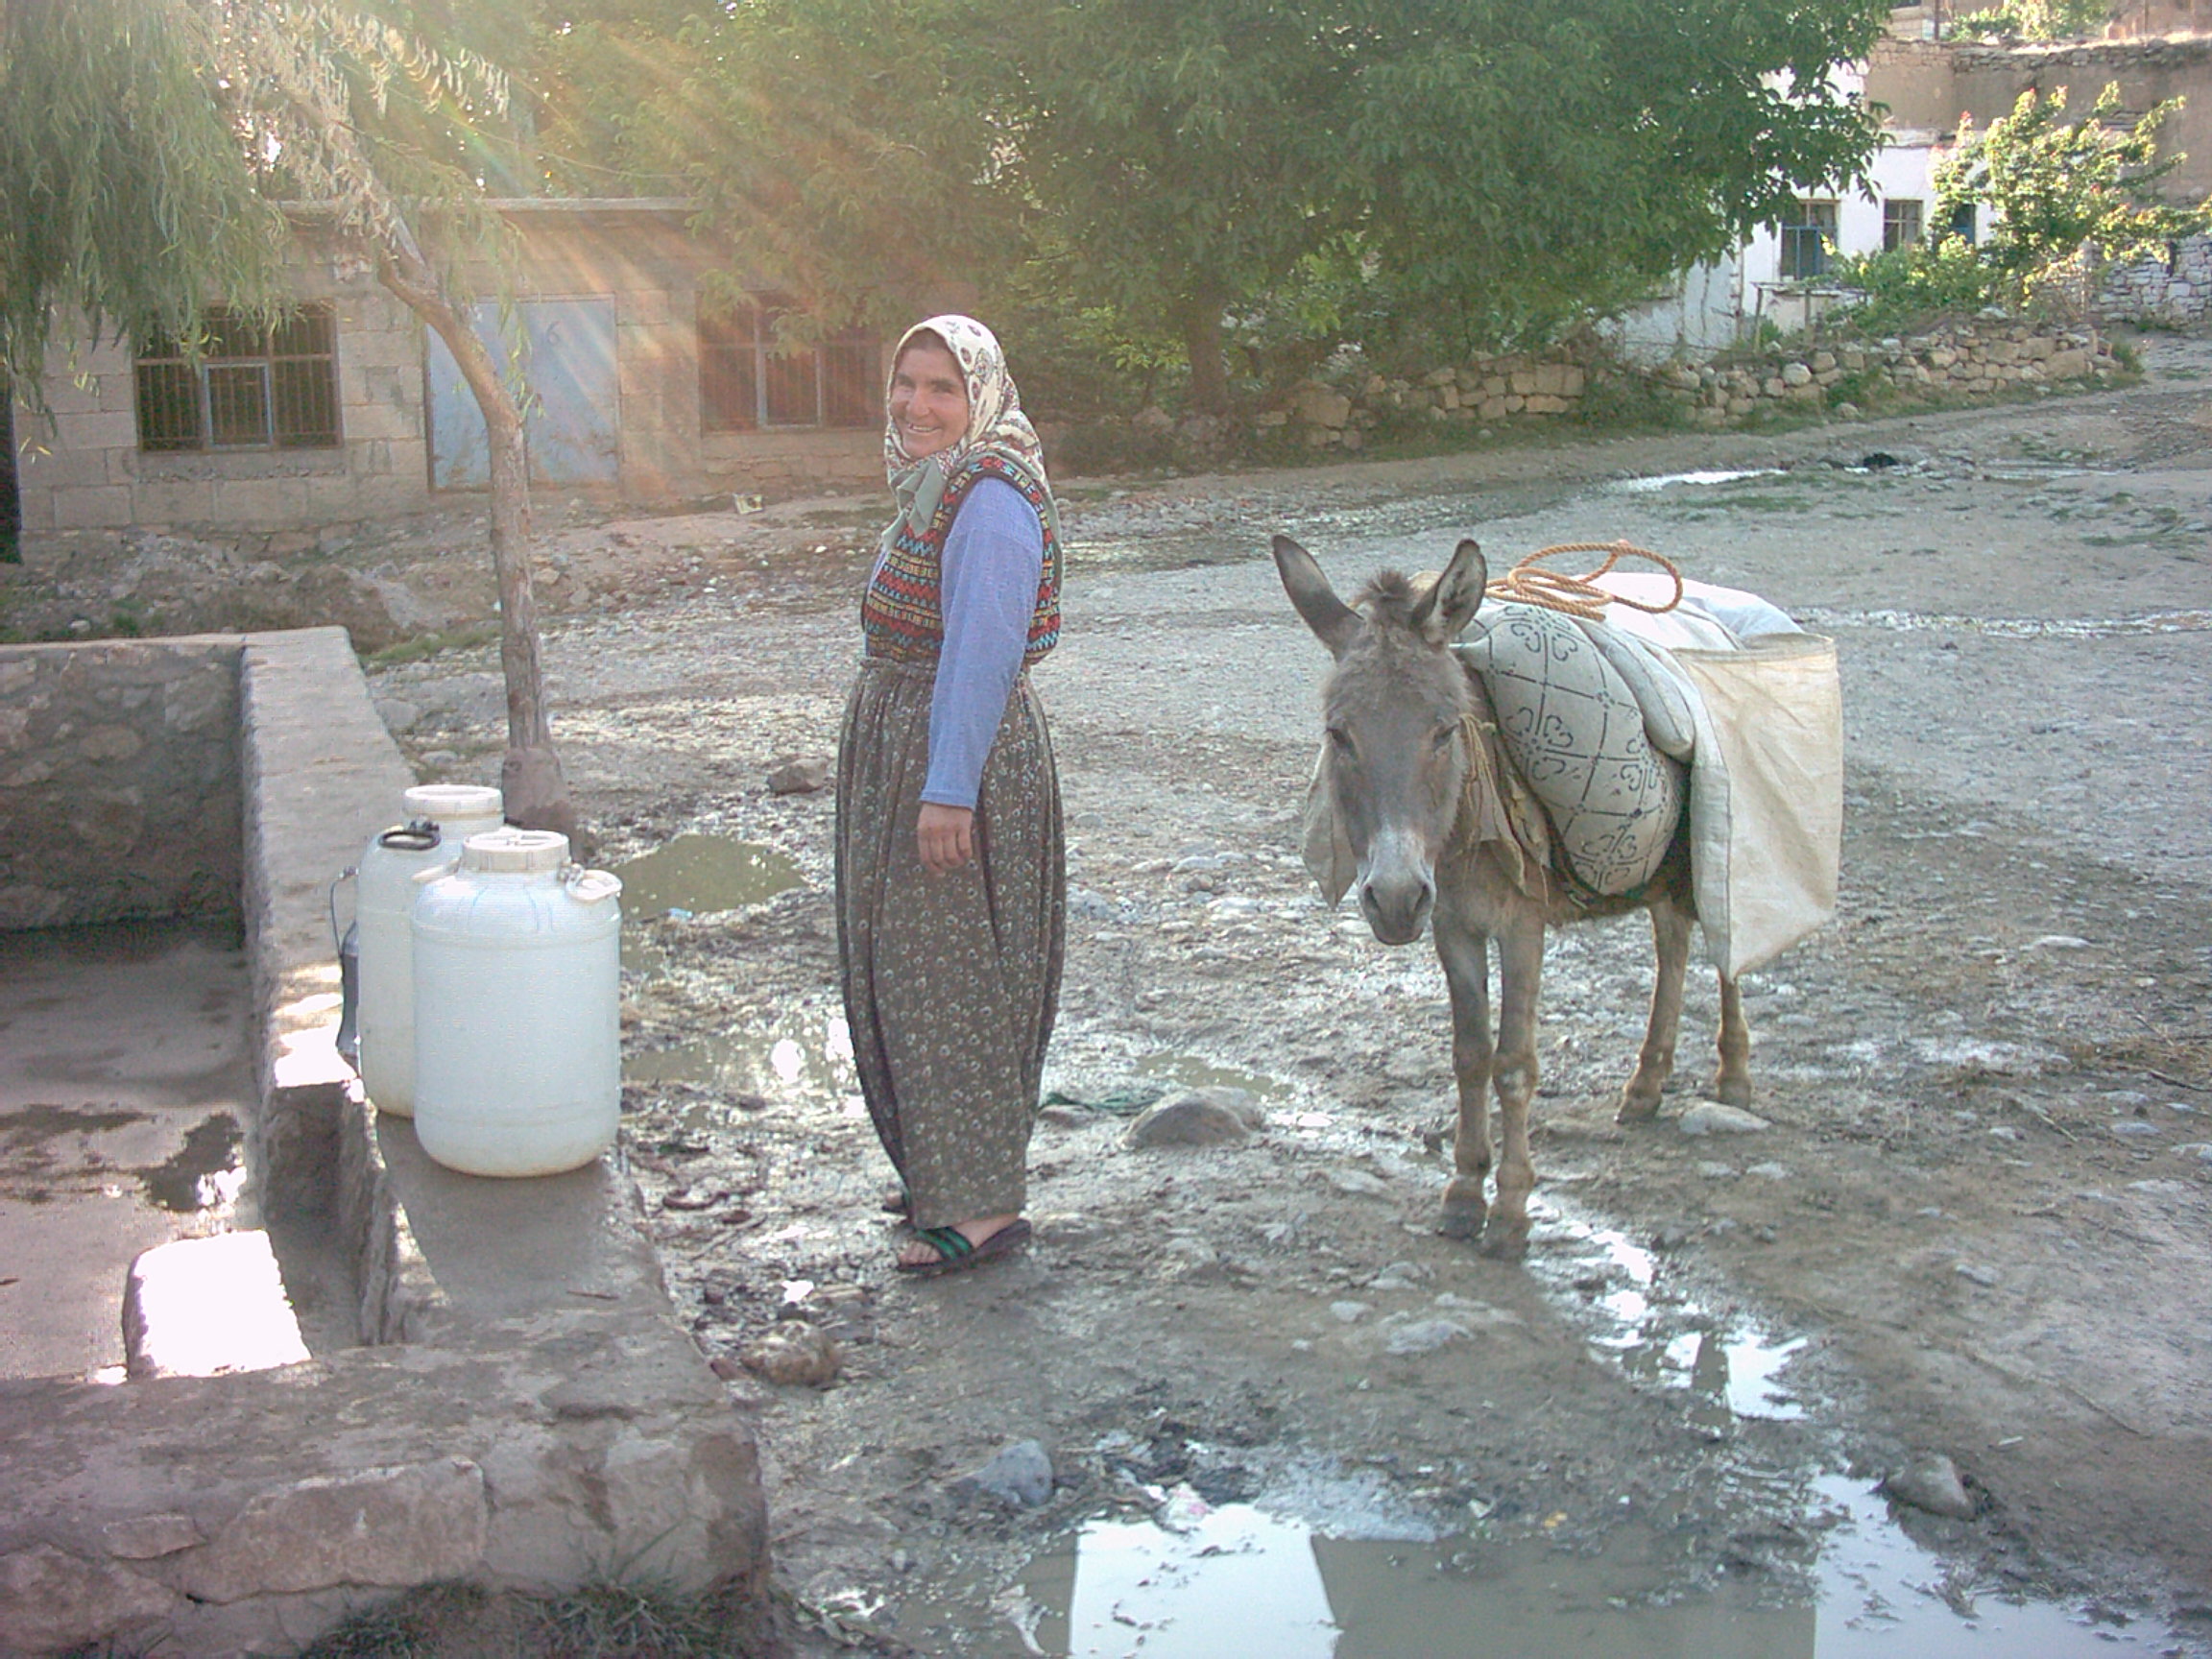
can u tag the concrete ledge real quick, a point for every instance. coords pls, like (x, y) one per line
(526, 1414)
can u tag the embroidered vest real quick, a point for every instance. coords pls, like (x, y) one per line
(902, 615)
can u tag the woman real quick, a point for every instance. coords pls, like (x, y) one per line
(951, 890)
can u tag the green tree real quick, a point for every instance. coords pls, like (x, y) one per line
(2039, 20)
(1192, 163)
(328, 114)
(2055, 195)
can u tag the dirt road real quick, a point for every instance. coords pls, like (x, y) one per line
(1979, 1225)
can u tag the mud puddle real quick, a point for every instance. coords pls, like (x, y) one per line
(1241, 1579)
(1652, 485)
(700, 875)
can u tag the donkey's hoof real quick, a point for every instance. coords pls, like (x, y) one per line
(1506, 1243)
(1463, 1214)
(1636, 1109)
(1732, 1090)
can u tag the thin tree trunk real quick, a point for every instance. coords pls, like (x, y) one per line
(1208, 368)
(530, 778)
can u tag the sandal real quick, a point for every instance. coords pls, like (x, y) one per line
(956, 1255)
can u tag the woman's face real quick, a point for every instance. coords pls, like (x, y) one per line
(929, 399)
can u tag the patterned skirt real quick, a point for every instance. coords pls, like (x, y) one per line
(950, 981)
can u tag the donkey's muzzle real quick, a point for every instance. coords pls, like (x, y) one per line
(1397, 888)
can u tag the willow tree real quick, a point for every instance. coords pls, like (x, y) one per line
(152, 153)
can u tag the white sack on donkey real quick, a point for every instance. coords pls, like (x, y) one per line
(1498, 761)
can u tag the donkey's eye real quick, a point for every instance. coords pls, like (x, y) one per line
(1340, 739)
(1441, 740)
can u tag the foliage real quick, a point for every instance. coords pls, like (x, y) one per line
(2038, 19)
(1237, 172)
(1907, 285)
(2058, 193)
(124, 195)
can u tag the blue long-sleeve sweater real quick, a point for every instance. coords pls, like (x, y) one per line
(993, 557)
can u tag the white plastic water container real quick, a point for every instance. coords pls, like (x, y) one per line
(439, 818)
(517, 1008)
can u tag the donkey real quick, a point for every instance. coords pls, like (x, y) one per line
(1406, 723)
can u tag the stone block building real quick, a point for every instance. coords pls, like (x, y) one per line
(643, 389)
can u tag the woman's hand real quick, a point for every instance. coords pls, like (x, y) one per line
(945, 837)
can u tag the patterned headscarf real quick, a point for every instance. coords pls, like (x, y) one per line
(996, 427)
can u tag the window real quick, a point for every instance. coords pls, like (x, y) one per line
(1963, 220)
(1901, 223)
(1806, 239)
(746, 384)
(251, 388)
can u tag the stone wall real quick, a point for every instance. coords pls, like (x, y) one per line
(1484, 390)
(1976, 358)
(118, 780)
(2177, 291)
(1969, 359)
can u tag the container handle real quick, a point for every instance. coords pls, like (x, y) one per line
(592, 887)
(337, 933)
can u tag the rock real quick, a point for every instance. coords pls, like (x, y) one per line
(1349, 1312)
(1090, 906)
(1423, 1336)
(1931, 1482)
(1019, 1476)
(1400, 1276)
(1711, 1117)
(793, 1355)
(1976, 1274)
(799, 777)
(388, 1527)
(1200, 1118)
(1359, 1183)
(144, 1537)
(51, 1600)
(1712, 1172)
(1186, 1256)
(398, 714)
(2059, 942)
(1769, 1171)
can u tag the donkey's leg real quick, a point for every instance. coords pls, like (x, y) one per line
(1655, 1063)
(1465, 955)
(1732, 1082)
(1520, 973)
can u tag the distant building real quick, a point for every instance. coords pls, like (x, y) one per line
(1927, 85)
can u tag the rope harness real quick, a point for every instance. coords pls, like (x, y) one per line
(1528, 583)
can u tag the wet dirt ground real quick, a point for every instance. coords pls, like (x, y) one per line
(1979, 1224)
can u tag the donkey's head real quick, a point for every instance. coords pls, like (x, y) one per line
(1397, 756)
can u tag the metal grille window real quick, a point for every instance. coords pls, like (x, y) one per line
(251, 388)
(1806, 239)
(1901, 223)
(745, 384)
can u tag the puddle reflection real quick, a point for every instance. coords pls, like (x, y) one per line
(807, 1056)
(1190, 1071)
(701, 873)
(1653, 485)
(1240, 1580)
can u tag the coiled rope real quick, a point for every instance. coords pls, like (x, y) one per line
(1528, 583)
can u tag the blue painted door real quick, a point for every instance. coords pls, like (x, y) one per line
(570, 421)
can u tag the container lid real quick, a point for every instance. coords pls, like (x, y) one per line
(528, 852)
(444, 802)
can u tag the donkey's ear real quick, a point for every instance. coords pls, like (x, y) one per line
(1333, 621)
(1450, 604)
